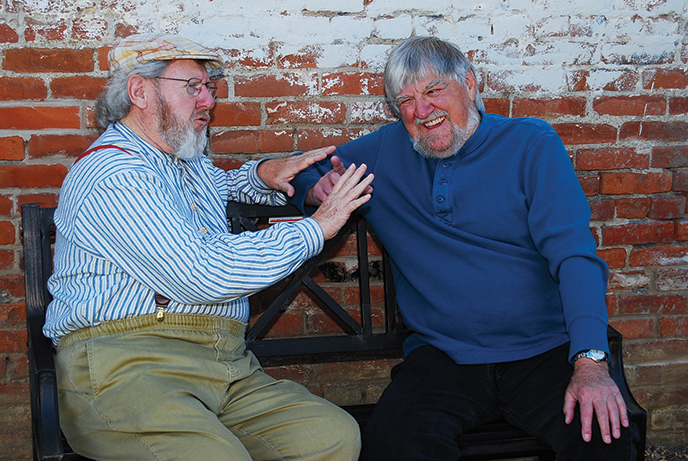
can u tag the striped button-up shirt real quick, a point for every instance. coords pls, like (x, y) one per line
(136, 223)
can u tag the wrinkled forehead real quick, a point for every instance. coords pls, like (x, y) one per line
(423, 77)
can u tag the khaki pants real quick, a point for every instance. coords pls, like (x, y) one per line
(187, 389)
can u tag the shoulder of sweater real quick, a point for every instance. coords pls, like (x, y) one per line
(523, 122)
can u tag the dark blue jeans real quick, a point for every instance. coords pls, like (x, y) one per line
(432, 401)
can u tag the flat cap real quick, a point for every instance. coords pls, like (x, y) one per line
(139, 49)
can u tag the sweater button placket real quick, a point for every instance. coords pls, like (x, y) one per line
(441, 189)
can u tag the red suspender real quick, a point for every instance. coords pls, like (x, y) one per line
(103, 146)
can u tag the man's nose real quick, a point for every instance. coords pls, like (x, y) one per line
(205, 99)
(423, 108)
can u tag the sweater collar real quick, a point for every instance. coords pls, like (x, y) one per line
(478, 136)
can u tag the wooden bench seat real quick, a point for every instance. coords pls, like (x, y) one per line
(360, 337)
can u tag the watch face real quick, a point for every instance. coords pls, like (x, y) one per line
(597, 355)
(593, 354)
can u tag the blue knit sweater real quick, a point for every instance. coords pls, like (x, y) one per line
(493, 258)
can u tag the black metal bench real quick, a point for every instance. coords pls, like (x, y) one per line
(359, 339)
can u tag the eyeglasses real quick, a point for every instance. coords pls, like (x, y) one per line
(193, 85)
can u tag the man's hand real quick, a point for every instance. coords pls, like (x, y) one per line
(596, 393)
(347, 194)
(318, 193)
(277, 173)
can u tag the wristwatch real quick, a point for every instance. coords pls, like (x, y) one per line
(594, 354)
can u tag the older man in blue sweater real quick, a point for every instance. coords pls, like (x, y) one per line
(495, 269)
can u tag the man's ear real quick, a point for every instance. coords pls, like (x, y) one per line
(471, 85)
(140, 91)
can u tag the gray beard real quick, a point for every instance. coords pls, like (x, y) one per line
(186, 143)
(459, 138)
(190, 143)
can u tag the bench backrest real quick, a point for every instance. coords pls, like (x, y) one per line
(358, 338)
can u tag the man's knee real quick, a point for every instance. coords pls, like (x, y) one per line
(573, 447)
(412, 435)
(334, 436)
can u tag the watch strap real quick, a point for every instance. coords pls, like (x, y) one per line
(593, 354)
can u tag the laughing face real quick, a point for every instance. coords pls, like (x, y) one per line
(439, 114)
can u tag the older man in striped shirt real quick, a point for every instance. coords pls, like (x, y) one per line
(142, 215)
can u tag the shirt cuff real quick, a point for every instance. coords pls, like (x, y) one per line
(313, 236)
(279, 197)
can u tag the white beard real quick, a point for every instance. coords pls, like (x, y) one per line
(459, 138)
(186, 143)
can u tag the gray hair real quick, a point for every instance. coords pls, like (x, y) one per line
(417, 58)
(113, 104)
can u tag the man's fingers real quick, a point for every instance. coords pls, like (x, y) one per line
(569, 408)
(351, 173)
(343, 200)
(586, 415)
(618, 414)
(623, 411)
(613, 418)
(309, 158)
(337, 165)
(603, 416)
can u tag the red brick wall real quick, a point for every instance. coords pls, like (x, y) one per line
(627, 134)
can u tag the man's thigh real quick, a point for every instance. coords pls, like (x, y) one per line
(144, 398)
(280, 419)
(429, 403)
(531, 394)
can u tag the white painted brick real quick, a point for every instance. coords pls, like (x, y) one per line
(511, 27)
(255, 8)
(333, 56)
(553, 26)
(349, 29)
(367, 112)
(557, 54)
(466, 34)
(651, 6)
(394, 28)
(592, 27)
(92, 27)
(55, 6)
(572, 7)
(375, 56)
(517, 6)
(545, 79)
(488, 7)
(625, 29)
(164, 11)
(297, 30)
(385, 7)
(636, 52)
(598, 79)
(664, 26)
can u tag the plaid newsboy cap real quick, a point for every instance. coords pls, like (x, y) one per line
(139, 49)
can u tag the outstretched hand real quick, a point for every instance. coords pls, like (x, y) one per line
(318, 193)
(346, 195)
(596, 394)
(277, 173)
